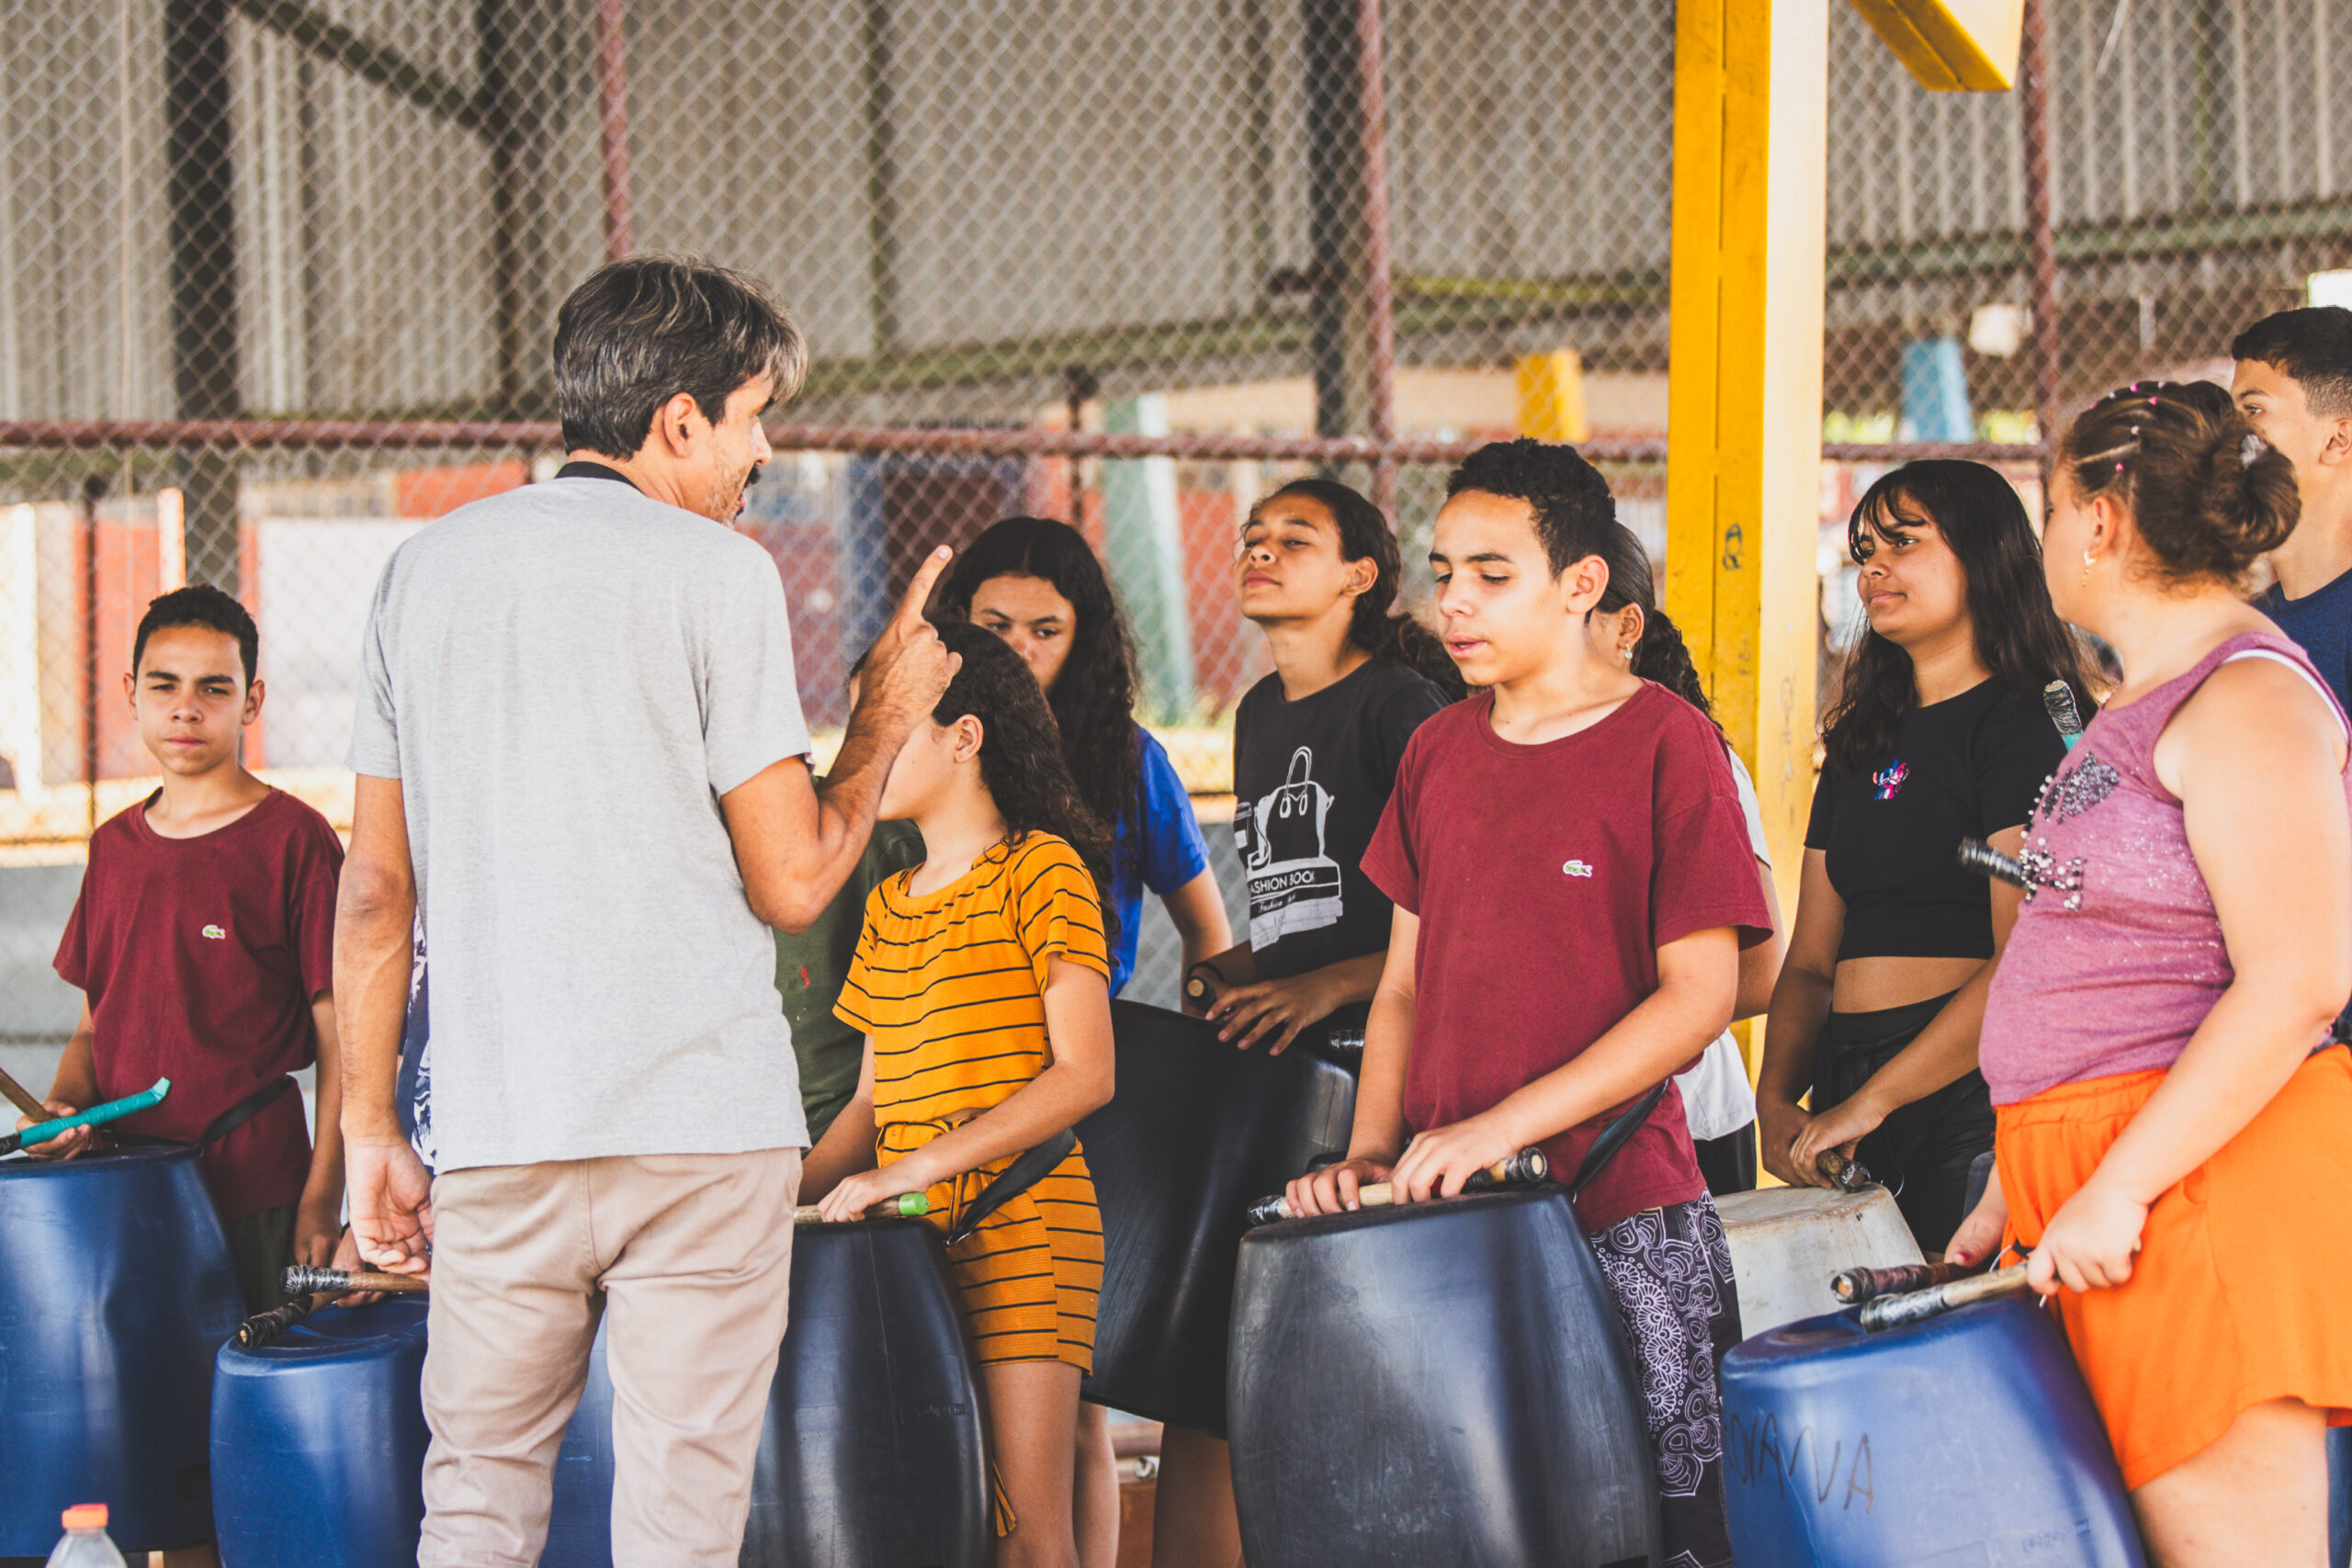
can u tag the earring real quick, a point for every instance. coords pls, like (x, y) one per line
(2088, 560)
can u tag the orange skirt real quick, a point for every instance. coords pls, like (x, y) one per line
(2242, 1291)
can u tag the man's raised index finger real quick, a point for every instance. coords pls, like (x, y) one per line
(919, 591)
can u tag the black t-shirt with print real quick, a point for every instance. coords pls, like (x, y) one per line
(1967, 767)
(1311, 778)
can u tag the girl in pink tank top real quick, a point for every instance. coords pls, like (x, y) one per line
(2171, 1139)
(2118, 954)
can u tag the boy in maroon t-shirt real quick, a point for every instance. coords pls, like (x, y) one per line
(203, 944)
(1573, 885)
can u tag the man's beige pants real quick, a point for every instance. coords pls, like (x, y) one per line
(693, 1255)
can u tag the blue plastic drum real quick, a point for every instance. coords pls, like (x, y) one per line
(116, 1290)
(1968, 1438)
(871, 1456)
(1441, 1383)
(318, 1442)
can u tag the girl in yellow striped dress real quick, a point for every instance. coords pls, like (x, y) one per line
(982, 983)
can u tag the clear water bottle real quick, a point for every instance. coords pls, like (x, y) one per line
(86, 1543)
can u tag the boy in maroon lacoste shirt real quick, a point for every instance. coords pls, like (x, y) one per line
(202, 944)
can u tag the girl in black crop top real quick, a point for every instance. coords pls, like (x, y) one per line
(1939, 734)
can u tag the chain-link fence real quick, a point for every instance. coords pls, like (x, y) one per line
(277, 279)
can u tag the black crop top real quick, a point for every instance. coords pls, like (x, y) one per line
(1967, 767)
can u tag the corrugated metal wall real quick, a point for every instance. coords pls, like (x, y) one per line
(920, 175)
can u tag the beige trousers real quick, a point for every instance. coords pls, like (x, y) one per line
(693, 1254)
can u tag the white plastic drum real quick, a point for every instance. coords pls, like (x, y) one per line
(1787, 1241)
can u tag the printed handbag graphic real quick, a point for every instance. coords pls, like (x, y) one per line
(1293, 885)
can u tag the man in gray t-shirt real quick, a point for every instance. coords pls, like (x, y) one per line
(581, 753)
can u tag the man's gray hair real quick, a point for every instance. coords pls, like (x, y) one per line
(639, 332)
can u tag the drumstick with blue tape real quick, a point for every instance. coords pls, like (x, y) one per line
(113, 1110)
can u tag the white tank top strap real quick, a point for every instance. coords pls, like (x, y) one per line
(2300, 667)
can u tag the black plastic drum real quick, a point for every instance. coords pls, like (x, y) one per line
(1196, 1132)
(871, 1456)
(1442, 1384)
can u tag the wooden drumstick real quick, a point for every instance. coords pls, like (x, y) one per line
(23, 1100)
(301, 1280)
(905, 1206)
(1523, 1169)
(1918, 1306)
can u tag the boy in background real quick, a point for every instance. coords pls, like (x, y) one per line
(1573, 884)
(2293, 382)
(203, 944)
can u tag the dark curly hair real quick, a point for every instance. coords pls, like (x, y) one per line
(1660, 655)
(1094, 696)
(1021, 754)
(1574, 510)
(2208, 495)
(2018, 636)
(1374, 626)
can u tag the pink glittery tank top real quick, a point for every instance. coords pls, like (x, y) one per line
(2117, 956)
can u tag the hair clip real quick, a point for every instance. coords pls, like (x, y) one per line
(2118, 467)
(2252, 447)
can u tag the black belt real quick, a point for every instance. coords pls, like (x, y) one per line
(228, 1121)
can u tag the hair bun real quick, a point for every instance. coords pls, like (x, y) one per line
(2249, 502)
(2208, 495)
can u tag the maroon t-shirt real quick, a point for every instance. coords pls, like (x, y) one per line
(1546, 878)
(200, 958)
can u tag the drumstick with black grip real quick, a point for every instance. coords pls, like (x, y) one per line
(1978, 856)
(264, 1327)
(302, 1279)
(1523, 1169)
(1855, 1286)
(2058, 702)
(1918, 1306)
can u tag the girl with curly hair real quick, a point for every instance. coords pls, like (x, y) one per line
(1036, 583)
(981, 980)
(1627, 627)
(1939, 733)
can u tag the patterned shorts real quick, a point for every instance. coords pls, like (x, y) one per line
(1671, 1270)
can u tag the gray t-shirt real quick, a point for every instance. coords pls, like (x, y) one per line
(565, 679)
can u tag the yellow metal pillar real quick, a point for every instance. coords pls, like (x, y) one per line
(1744, 413)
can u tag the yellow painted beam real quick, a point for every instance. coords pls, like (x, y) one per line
(1743, 389)
(1952, 45)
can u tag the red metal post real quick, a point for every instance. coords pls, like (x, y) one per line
(91, 488)
(612, 127)
(2042, 246)
(1379, 295)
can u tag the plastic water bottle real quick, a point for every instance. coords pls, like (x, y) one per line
(86, 1543)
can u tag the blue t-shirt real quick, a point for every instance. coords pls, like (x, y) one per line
(2320, 625)
(1160, 848)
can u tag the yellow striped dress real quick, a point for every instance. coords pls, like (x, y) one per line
(951, 985)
